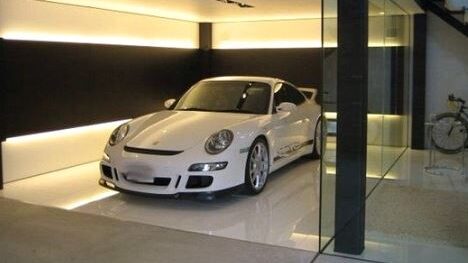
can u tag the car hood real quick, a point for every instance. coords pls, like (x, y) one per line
(181, 130)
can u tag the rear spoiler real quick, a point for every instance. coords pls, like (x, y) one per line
(310, 93)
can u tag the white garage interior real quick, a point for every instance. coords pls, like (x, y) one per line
(58, 167)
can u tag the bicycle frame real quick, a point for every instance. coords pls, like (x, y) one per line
(462, 113)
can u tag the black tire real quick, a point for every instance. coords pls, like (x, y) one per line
(438, 134)
(249, 183)
(316, 151)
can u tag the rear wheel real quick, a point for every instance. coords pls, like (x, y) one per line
(320, 139)
(257, 167)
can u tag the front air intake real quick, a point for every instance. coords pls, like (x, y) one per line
(106, 171)
(198, 181)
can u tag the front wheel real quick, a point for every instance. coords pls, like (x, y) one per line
(449, 133)
(257, 167)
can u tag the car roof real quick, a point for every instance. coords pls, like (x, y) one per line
(269, 80)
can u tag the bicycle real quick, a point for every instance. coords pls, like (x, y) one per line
(450, 129)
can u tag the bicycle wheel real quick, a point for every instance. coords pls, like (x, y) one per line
(449, 133)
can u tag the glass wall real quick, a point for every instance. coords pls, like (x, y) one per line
(388, 85)
(329, 88)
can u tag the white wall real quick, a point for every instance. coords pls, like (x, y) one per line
(36, 20)
(30, 155)
(446, 66)
(267, 34)
(304, 33)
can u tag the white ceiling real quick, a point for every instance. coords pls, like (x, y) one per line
(214, 11)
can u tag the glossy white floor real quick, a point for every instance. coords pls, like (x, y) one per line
(285, 214)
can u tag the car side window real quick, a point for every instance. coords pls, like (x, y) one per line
(293, 95)
(287, 93)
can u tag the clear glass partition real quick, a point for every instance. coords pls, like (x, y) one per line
(388, 85)
(396, 106)
(328, 161)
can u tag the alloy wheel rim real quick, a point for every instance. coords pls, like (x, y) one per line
(258, 166)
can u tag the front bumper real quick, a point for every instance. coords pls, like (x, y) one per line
(169, 175)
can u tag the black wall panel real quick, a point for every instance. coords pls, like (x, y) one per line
(418, 116)
(301, 66)
(2, 107)
(49, 86)
(351, 140)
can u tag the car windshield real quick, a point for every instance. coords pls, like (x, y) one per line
(227, 96)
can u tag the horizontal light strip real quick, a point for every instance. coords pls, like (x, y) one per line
(334, 115)
(269, 44)
(126, 41)
(332, 171)
(171, 43)
(64, 132)
(286, 44)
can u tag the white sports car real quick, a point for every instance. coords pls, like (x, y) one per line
(222, 133)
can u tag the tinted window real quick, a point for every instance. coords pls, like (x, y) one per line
(227, 96)
(287, 93)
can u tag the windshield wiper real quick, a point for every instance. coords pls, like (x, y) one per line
(194, 109)
(214, 110)
(236, 111)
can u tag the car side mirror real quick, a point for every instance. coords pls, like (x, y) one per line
(169, 103)
(286, 107)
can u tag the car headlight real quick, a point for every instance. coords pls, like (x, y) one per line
(219, 141)
(207, 167)
(119, 134)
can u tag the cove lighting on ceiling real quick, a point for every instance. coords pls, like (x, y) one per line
(105, 40)
(239, 4)
(268, 44)
(273, 44)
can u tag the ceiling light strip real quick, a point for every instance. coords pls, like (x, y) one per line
(82, 39)
(280, 44)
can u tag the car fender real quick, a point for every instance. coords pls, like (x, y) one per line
(248, 131)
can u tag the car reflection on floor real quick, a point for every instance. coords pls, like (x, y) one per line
(285, 213)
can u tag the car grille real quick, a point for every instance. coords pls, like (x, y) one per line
(150, 151)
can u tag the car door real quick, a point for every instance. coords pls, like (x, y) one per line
(290, 128)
